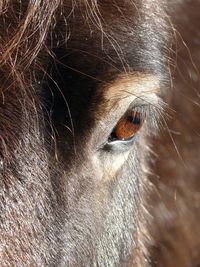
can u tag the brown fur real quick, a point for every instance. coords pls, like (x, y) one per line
(58, 60)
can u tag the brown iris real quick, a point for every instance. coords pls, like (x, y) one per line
(128, 126)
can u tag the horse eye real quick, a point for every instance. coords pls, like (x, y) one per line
(127, 127)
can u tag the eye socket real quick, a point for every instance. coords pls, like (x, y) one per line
(127, 126)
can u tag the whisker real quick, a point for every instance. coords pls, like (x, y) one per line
(173, 142)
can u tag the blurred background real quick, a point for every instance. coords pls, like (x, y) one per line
(176, 206)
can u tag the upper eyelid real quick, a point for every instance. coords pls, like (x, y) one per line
(120, 145)
(148, 99)
(105, 125)
(125, 89)
(153, 102)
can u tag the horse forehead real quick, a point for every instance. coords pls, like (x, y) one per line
(117, 37)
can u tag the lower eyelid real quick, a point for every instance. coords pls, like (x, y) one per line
(119, 145)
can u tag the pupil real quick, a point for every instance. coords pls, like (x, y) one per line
(134, 120)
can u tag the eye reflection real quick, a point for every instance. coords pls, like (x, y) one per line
(127, 126)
